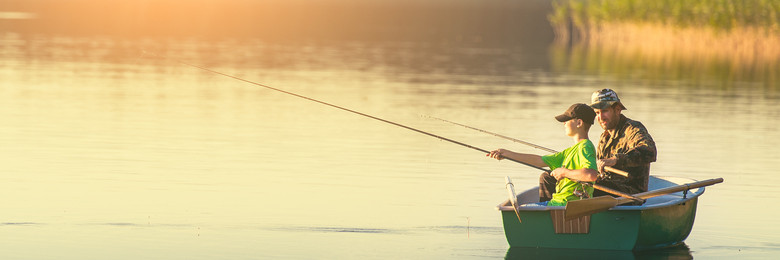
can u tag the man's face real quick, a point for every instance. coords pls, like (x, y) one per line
(608, 117)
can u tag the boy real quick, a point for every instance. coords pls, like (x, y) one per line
(577, 162)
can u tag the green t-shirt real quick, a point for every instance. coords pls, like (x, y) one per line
(579, 156)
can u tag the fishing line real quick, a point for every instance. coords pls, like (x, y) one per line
(338, 107)
(498, 135)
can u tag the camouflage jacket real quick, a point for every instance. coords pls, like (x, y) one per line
(634, 149)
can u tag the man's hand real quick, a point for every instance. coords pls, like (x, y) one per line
(606, 162)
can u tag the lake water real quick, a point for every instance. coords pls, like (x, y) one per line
(113, 149)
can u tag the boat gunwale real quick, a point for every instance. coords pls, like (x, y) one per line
(506, 205)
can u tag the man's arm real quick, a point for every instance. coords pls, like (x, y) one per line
(641, 148)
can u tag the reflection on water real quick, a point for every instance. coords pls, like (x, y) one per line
(673, 253)
(668, 68)
(106, 149)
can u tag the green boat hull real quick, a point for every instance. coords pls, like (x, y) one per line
(663, 222)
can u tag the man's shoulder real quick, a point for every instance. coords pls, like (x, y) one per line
(636, 130)
(633, 125)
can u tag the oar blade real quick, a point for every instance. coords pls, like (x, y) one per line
(579, 208)
(510, 188)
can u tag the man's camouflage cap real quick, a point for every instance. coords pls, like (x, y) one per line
(605, 98)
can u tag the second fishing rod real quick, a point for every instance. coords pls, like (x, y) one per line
(606, 168)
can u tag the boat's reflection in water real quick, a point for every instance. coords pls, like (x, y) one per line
(673, 253)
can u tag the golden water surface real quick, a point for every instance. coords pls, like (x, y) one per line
(110, 148)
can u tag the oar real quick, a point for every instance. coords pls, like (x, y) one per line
(607, 168)
(510, 188)
(579, 208)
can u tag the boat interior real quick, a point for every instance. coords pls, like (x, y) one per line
(656, 182)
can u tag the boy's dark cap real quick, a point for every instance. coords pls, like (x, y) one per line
(579, 111)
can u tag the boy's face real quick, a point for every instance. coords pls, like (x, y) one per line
(571, 126)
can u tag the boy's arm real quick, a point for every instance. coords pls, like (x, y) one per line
(531, 159)
(584, 174)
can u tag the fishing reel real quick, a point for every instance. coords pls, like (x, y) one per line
(604, 175)
(581, 194)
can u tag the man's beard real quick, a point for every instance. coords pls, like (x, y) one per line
(609, 125)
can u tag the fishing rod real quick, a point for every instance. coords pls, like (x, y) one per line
(339, 107)
(495, 134)
(378, 119)
(607, 168)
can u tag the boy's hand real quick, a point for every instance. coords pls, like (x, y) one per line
(497, 154)
(559, 173)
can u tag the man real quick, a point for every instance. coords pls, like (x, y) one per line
(625, 144)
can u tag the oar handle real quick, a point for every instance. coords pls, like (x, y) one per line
(673, 189)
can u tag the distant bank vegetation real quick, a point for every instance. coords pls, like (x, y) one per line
(745, 34)
(718, 14)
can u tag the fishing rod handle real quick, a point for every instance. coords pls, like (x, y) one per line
(616, 171)
(618, 193)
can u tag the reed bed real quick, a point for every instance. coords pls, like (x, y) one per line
(743, 46)
(743, 34)
(719, 14)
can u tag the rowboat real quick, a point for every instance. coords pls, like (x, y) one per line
(662, 221)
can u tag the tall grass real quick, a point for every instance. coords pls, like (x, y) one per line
(718, 14)
(742, 34)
